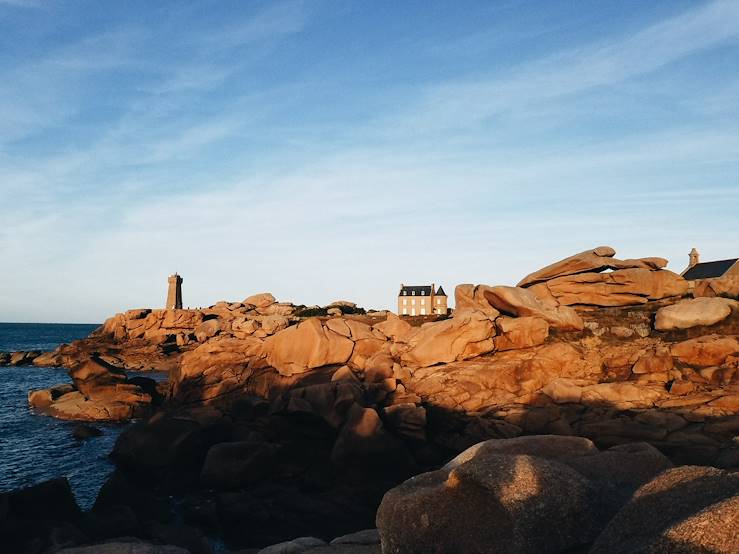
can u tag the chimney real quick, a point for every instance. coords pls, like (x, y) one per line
(433, 289)
(694, 258)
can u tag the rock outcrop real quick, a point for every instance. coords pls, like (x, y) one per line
(591, 261)
(99, 392)
(467, 335)
(306, 346)
(519, 302)
(285, 421)
(578, 280)
(625, 287)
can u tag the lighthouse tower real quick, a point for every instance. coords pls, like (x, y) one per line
(174, 292)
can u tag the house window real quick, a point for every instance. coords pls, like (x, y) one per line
(405, 311)
(413, 311)
(423, 311)
(438, 301)
(413, 301)
(405, 301)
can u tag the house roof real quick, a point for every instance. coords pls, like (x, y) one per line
(440, 292)
(410, 290)
(709, 270)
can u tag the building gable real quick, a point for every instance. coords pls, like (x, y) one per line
(415, 291)
(709, 270)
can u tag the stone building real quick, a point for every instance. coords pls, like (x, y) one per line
(698, 271)
(421, 300)
(174, 292)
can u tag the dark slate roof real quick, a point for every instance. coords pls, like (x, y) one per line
(709, 270)
(409, 290)
(440, 292)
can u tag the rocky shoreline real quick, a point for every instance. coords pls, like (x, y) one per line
(593, 407)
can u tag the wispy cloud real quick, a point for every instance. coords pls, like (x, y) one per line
(458, 103)
(277, 20)
(21, 3)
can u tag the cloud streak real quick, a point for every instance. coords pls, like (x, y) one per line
(464, 103)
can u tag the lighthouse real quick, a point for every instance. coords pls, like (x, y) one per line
(174, 292)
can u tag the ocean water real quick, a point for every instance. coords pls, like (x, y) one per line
(33, 447)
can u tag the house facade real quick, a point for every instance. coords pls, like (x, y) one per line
(421, 300)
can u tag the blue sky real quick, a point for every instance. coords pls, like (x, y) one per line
(334, 149)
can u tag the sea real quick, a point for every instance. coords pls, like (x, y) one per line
(35, 447)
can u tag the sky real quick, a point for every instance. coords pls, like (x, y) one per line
(325, 150)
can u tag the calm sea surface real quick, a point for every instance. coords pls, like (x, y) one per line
(34, 448)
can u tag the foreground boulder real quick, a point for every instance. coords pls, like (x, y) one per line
(517, 495)
(684, 510)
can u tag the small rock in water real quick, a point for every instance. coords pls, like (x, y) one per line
(83, 432)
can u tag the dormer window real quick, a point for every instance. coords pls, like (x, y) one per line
(413, 293)
(405, 293)
(423, 293)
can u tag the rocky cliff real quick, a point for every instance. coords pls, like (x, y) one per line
(273, 410)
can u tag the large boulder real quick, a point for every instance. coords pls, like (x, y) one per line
(178, 320)
(684, 510)
(94, 373)
(709, 350)
(165, 443)
(274, 323)
(48, 359)
(214, 369)
(590, 261)
(527, 494)
(520, 332)
(521, 302)
(101, 392)
(327, 401)
(75, 406)
(40, 518)
(52, 500)
(208, 329)
(232, 465)
(261, 300)
(23, 358)
(472, 297)
(393, 327)
(306, 346)
(467, 335)
(491, 502)
(364, 442)
(625, 287)
(726, 286)
(623, 396)
(693, 312)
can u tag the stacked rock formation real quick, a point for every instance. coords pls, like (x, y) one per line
(99, 391)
